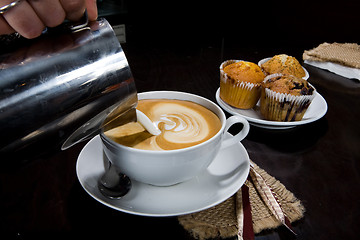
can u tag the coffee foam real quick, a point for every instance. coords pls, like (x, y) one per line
(182, 124)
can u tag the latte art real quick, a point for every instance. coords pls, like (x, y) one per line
(182, 124)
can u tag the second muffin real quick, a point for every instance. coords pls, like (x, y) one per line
(285, 97)
(240, 83)
(283, 64)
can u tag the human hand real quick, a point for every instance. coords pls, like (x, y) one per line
(29, 18)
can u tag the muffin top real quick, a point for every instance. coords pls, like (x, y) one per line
(244, 71)
(284, 83)
(283, 64)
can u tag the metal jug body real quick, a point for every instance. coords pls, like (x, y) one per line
(59, 83)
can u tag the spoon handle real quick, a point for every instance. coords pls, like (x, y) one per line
(113, 184)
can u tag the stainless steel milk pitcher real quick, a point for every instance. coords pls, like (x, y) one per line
(61, 83)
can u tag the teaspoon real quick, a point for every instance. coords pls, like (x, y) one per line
(114, 184)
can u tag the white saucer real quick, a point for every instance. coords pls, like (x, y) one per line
(262, 61)
(226, 174)
(316, 110)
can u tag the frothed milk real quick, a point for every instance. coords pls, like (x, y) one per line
(182, 124)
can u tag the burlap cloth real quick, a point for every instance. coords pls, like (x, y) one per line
(346, 54)
(222, 220)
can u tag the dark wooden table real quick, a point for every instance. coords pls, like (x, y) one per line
(319, 162)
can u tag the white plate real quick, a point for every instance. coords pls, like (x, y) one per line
(262, 61)
(224, 177)
(316, 110)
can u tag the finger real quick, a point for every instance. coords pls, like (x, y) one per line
(50, 12)
(5, 27)
(74, 9)
(23, 19)
(92, 10)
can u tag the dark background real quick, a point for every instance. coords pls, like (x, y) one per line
(265, 23)
(179, 45)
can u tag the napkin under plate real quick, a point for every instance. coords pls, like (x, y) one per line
(340, 58)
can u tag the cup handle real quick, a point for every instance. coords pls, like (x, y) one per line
(240, 135)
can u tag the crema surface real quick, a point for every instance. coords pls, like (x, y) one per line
(182, 124)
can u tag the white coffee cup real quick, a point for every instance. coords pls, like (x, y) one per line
(165, 168)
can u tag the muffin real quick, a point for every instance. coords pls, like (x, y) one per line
(240, 83)
(285, 97)
(283, 64)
